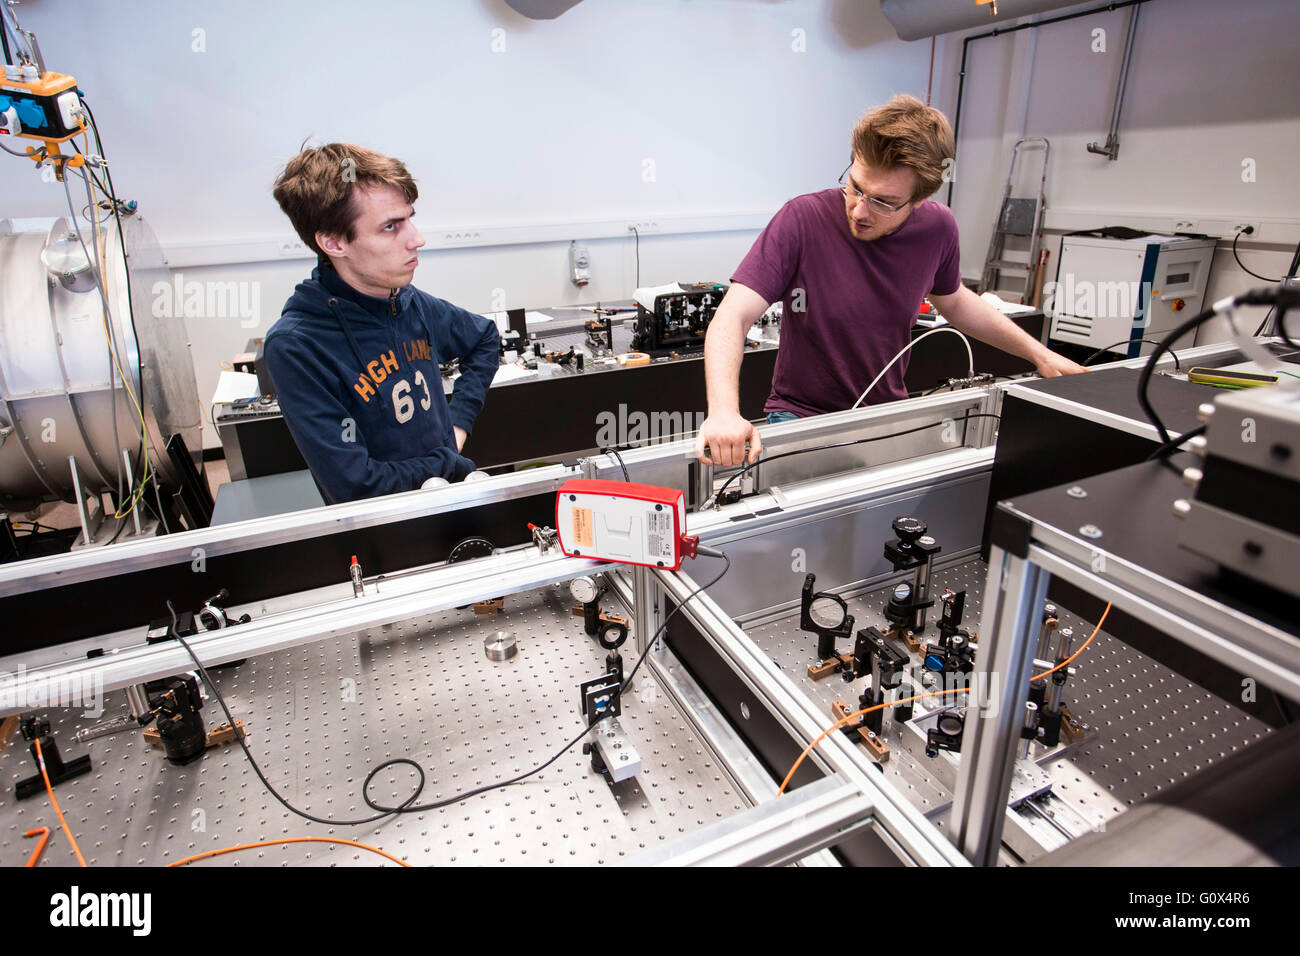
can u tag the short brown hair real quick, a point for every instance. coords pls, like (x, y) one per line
(317, 187)
(906, 133)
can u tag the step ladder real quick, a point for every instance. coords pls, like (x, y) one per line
(1020, 217)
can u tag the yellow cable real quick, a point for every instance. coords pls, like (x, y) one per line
(100, 263)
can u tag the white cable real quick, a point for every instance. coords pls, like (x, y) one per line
(970, 358)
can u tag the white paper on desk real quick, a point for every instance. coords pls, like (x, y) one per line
(645, 297)
(235, 385)
(1005, 307)
(512, 373)
(503, 321)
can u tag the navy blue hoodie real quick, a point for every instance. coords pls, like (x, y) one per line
(358, 383)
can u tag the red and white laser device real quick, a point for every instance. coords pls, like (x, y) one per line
(621, 521)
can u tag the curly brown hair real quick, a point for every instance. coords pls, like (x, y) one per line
(317, 188)
(906, 133)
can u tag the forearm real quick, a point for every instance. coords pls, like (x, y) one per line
(390, 477)
(478, 368)
(346, 471)
(724, 348)
(975, 317)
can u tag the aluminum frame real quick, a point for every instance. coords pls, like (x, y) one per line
(778, 832)
(1015, 592)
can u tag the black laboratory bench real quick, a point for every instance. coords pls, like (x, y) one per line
(570, 412)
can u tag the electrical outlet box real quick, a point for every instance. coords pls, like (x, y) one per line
(579, 264)
(45, 107)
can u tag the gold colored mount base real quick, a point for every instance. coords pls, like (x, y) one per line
(216, 736)
(7, 728)
(1072, 727)
(829, 666)
(875, 746)
(912, 642)
(608, 617)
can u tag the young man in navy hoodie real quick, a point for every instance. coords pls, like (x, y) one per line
(355, 353)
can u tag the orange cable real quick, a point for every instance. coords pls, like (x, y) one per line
(253, 846)
(44, 834)
(1065, 663)
(866, 710)
(858, 713)
(45, 775)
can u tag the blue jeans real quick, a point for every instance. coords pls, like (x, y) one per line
(774, 417)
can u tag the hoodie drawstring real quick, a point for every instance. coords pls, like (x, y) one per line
(347, 332)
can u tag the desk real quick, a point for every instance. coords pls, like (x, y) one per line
(265, 496)
(568, 413)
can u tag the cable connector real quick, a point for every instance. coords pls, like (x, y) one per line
(968, 381)
(1283, 296)
(690, 545)
(691, 548)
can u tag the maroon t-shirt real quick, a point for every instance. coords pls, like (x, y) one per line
(849, 305)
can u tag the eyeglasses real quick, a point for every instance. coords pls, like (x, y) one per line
(852, 192)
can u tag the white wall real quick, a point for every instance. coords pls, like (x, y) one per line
(544, 141)
(1211, 84)
(547, 140)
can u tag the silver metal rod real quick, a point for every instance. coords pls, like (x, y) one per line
(1054, 696)
(1031, 721)
(137, 700)
(115, 726)
(1013, 603)
(1031, 714)
(1044, 635)
(1111, 149)
(922, 591)
(1047, 818)
(1064, 641)
(81, 501)
(1039, 663)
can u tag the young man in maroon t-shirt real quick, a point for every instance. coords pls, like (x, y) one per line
(850, 266)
